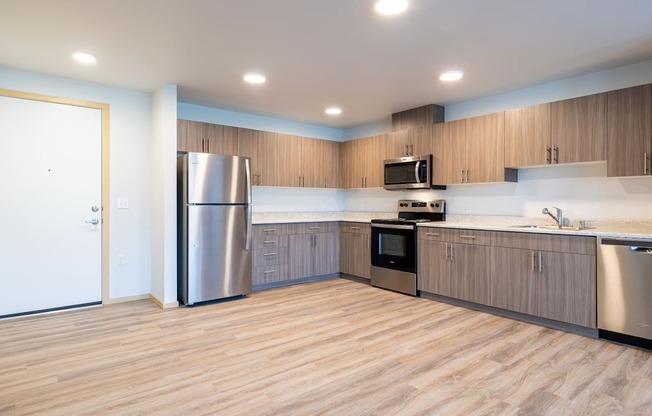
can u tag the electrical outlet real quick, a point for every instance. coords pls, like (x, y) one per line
(121, 259)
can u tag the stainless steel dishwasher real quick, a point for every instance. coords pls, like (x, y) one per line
(625, 291)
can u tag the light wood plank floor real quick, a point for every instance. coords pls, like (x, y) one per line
(334, 347)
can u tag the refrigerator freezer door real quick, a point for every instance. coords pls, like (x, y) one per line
(216, 179)
(217, 263)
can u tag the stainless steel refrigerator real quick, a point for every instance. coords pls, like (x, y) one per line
(214, 227)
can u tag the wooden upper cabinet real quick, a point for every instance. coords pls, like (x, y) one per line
(221, 139)
(629, 131)
(262, 147)
(194, 136)
(413, 142)
(485, 148)
(452, 150)
(362, 162)
(332, 169)
(579, 129)
(397, 145)
(312, 163)
(190, 136)
(290, 151)
(528, 136)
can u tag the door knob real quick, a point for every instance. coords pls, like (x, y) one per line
(94, 221)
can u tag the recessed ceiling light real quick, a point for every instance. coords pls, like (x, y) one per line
(84, 57)
(451, 75)
(390, 7)
(333, 111)
(255, 78)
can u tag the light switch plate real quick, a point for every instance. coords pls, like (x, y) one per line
(123, 203)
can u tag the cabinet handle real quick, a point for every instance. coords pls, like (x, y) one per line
(452, 252)
(548, 155)
(269, 230)
(270, 242)
(471, 237)
(446, 251)
(269, 271)
(462, 176)
(532, 260)
(645, 159)
(354, 228)
(208, 146)
(467, 176)
(362, 182)
(556, 158)
(365, 181)
(540, 263)
(269, 254)
(433, 234)
(325, 182)
(313, 228)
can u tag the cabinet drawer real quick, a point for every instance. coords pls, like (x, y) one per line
(260, 230)
(270, 241)
(313, 227)
(270, 256)
(435, 234)
(472, 237)
(546, 242)
(269, 274)
(355, 227)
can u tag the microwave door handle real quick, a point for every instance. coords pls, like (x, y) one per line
(416, 172)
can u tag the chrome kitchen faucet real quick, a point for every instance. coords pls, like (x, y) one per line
(559, 219)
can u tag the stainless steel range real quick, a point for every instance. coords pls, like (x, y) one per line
(394, 244)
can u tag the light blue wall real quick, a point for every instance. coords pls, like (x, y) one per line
(193, 112)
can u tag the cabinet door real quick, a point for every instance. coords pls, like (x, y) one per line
(351, 170)
(312, 163)
(372, 152)
(453, 152)
(397, 145)
(527, 136)
(190, 136)
(332, 164)
(469, 273)
(355, 254)
(485, 148)
(221, 139)
(290, 153)
(433, 267)
(300, 263)
(420, 140)
(566, 288)
(262, 148)
(579, 129)
(511, 273)
(629, 135)
(326, 254)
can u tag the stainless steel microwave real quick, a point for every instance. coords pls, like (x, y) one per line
(412, 172)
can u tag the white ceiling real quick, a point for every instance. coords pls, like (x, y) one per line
(317, 53)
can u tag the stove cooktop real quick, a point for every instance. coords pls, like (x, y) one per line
(412, 212)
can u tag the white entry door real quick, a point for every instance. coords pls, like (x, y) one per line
(50, 188)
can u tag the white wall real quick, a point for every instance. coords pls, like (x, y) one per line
(130, 135)
(582, 191)
(164, 195)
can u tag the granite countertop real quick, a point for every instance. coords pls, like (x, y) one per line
(617, 228)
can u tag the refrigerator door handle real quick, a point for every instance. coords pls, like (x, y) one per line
(248, 179)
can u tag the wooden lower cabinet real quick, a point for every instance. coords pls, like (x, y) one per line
(355, 249)
(452, 268)
(552, 276)
(314, 250)
(544, 275)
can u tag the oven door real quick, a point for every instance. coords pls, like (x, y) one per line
(394, 247)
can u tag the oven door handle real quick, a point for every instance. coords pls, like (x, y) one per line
(395, 227)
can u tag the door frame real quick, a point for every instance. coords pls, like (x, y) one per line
(104, 109)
